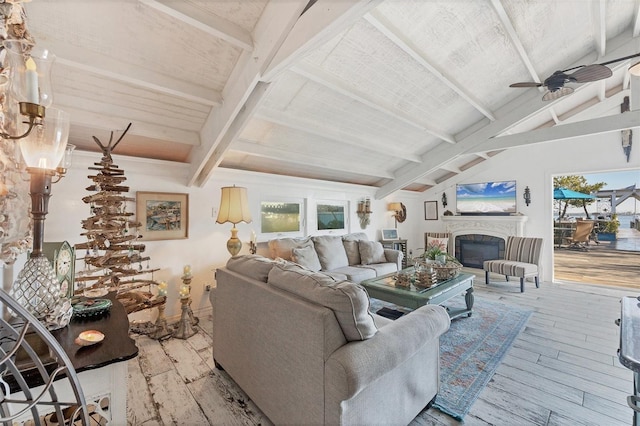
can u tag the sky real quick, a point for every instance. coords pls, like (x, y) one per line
(614, 180)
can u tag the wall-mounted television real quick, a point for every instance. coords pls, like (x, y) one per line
(488, 198)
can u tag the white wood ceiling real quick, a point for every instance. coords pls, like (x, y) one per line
(397, 94)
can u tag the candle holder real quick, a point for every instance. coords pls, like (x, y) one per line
(185, 327)
(161, 331)
(364, 212)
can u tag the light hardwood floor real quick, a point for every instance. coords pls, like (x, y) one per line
(561, 370)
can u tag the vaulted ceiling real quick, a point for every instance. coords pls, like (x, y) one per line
(397, 94)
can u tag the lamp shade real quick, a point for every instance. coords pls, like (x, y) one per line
(234, 205)
(635, 69)
(45, 146)
(394, 206)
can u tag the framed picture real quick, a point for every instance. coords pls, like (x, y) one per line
(389, 234)
(282, 217)
(332, 216)
(163, 215)
(430, 210)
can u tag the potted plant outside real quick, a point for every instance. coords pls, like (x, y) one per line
(610, 229)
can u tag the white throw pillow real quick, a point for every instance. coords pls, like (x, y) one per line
(371, 252)
(330, 251)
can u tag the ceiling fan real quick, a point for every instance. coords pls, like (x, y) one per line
(583, 74)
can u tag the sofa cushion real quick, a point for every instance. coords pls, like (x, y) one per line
(355, 236)
(381, 268)
(353, 252)
(348, 301)
(307, 257)
(330, 251)
(282, 247)
(356, 273)
(371, 252)
(252, 266)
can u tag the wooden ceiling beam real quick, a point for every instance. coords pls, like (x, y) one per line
(210, 24)
(244, 92)
(599, 26)
(330, 133)
(335, 84)
(394, 34)
(85, 118)
(333, 164)
(511, 114)
(320, 23)
(515, 39)
(138, 77)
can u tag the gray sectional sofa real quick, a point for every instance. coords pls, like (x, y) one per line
(305, 348)
(348, 257)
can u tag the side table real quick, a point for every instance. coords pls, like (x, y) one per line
(397, 245)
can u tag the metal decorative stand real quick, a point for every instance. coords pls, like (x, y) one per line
(185, 328)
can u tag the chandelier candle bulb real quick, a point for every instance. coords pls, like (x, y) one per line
(31, 76)
(187, 271)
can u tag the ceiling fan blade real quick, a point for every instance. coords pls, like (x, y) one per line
(593, 72)
(551, 95)
(526, 84)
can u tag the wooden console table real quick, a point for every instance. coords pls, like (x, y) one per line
(101, 368)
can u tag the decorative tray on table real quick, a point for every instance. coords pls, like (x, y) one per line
(91, 308)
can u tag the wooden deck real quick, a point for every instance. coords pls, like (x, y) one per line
(606, 263)
(561, 370)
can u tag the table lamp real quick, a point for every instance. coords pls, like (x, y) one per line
(234, 208)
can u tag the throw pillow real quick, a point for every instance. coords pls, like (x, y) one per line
(348, 301)
(371, 252)
(330, 251)
(307, 257)
(353, 252)
(251, 265)
(440, 243)
(282, 247)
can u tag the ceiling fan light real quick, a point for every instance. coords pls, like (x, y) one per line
(555, 94)
(635, 69)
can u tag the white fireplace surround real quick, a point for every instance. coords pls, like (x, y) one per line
(497, 226)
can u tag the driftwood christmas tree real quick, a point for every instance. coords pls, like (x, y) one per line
(113, 255)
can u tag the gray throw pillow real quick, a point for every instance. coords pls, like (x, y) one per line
(353, 252)
(348, 301)
(330, 251)
(307, 257)
(371, 252)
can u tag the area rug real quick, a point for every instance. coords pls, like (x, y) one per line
(471, 351)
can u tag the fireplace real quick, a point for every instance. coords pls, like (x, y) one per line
(487, 226)
(473, 249)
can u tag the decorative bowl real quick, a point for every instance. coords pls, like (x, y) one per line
(447, 271)
(89, 337)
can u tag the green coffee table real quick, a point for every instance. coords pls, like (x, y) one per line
(384, 288)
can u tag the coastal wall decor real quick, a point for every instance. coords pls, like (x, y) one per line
(164, 215)
(430, 210)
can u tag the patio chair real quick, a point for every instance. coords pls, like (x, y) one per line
(581, 236)
(521, 259)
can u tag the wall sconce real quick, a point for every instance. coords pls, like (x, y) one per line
(36, 287)
(364, 212)
(527, 196)
(234, 208)
(400, 212)
(444, 199)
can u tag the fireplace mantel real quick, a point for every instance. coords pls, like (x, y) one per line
(498, 226)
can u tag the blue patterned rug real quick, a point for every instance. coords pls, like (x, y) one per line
(471, 351)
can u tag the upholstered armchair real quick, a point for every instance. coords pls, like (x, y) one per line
(521, 259)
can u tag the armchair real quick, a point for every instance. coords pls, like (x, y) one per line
(521, 259)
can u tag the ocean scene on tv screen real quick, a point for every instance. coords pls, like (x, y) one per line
(486, 198)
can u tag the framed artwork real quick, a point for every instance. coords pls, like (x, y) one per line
(163, 215)
(282, 217)
(332, 216)
(389, 234)
(430, 210)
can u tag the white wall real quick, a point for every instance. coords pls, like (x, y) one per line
(205, 249)
(534, 166)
